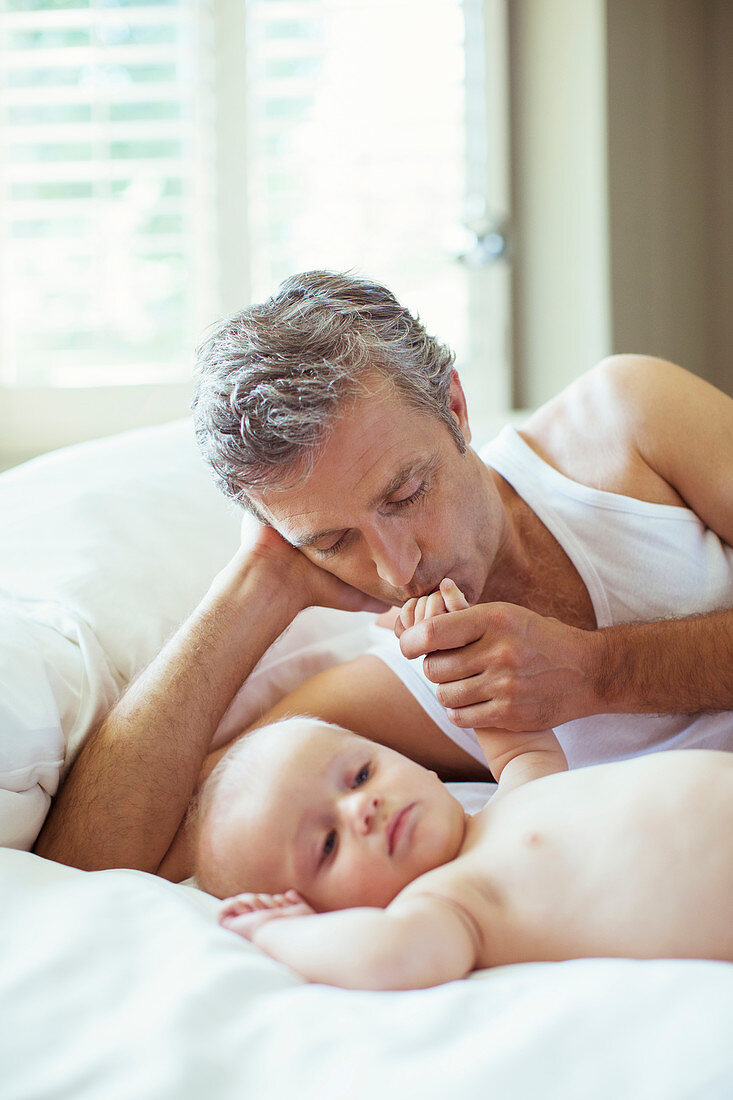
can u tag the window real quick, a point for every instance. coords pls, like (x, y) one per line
(106, 248)
(375, 141)
(168, 161)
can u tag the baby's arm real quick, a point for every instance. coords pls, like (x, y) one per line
(420, 940)
(514, 758)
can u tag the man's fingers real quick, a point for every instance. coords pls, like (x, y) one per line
(463, 693)
(497, 714)
(443, 632)
(479, 716)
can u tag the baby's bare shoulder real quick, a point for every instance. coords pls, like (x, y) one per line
(462, 883)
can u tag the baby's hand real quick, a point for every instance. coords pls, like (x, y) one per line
(449, 598)
(245, 913)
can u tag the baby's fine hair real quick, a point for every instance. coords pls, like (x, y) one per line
(235, 774)
(271, 378)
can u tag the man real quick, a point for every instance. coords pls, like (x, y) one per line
(594, 548)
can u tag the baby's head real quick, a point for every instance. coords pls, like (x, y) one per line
(308, 806)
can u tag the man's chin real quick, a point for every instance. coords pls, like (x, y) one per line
(398, 597)
(467, 587)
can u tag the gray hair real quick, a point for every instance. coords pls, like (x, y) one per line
(271, 379)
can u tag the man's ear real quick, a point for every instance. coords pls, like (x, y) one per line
(458, 405)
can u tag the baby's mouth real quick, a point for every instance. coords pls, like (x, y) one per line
(396, 827)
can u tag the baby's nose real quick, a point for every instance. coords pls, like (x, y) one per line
(364, 809)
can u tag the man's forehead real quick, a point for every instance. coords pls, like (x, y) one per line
(378, 428)
(314, 509)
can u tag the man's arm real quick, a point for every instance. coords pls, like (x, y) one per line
(499, 664)
(419, 941)
(126, 794)
(502, 665)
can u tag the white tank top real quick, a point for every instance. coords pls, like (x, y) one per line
(639, 562)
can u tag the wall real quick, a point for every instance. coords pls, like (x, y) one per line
(621, 165)
(34, 421)
(719, 158)
(622, 161)
(559, 194)
(658, 100)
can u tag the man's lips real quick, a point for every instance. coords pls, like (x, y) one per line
(415, 591)
(396, 826)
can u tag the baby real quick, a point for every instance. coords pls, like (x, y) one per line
(365, 872)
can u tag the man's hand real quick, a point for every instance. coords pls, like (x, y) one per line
(501, 665)
(245, 913)
(308, 584)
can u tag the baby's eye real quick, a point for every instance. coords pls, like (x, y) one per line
(362, 775)
(329, 844)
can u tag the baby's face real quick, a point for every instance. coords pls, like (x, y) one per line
(341, 819)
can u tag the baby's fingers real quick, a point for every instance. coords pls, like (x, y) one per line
(415, 610)
(248, 903)
(454, 598)
(434, 605)
(406, 617)
(242, 903)
(427, 607)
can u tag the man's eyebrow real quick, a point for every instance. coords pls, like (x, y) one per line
(301, 541)
(410, 469)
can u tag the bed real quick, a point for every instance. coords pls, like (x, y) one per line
(120, 984)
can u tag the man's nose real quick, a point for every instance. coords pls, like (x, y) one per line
(361, 809)
(396, 557)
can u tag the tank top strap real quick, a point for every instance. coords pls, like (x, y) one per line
(539, 485)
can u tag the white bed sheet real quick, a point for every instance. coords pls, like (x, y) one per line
(116, 984)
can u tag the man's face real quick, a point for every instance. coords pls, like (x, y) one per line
(344, 821)
(392, 506)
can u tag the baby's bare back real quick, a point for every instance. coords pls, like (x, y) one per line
(631, 859)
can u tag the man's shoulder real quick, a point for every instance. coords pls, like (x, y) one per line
(590, 431)
(605, 395)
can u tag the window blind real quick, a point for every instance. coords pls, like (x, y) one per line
(106, 188)
(367, 141)
(165, 161)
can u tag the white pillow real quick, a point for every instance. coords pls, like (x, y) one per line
(31, 742)
(107, 547)
(104, 527)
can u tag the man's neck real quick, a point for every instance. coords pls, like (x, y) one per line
(531, 568)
